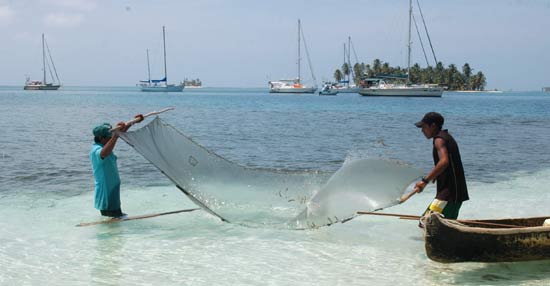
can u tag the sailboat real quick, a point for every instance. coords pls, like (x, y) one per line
(294, 85)
(344, 86)
(44, 85)
(159, 85)
(383, 88)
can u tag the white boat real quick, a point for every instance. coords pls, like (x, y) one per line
(348, 89)
(406, 90)
(345, 86)
(328, 89)
(159, 85)
(290, 86)
(295, 85)
(44, 85)
(382, 88)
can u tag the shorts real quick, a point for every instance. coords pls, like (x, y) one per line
(447, 209)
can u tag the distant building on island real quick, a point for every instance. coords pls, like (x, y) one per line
(546, 89)
(192, 83)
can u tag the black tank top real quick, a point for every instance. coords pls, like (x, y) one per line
(451, 184)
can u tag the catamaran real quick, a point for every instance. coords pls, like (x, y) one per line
(295, 85)
(44, 85)
(383, 88)
(159, 85)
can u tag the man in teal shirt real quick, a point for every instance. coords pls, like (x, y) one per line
(104, 164)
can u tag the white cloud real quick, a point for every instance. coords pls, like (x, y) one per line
(81, 5)
(24, 36)
(6, 14)
(63, 19)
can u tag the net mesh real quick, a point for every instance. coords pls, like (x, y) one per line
(269, 197)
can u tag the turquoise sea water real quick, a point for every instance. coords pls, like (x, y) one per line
(46, 187)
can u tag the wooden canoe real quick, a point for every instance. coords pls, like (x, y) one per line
(465, 241)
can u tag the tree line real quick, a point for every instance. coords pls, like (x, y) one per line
(450, 76)
(192, 82)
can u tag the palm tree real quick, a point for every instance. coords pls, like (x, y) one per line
(467, 71)
(426, 75)
(359, 71)
(369, 71)
(346, 70)
(439, 76)
(415, 74)
(338, 75)
(482, 81)
(385, 68)
(376, 66)
(478, 81)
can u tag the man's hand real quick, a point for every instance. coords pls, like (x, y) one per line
(139, 117)
(419, 186)
(122, 127)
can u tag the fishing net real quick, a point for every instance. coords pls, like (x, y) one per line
(269, 197)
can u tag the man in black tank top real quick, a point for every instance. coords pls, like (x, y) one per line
(448, 171)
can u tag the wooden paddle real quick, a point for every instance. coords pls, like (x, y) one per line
(415, 217)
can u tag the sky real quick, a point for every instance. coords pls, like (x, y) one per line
(246, 43)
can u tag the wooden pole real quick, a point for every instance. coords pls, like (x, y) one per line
(133, 121)
(114, 220)
(415, 217)
(408, 196)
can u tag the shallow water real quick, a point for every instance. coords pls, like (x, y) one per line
(46, 187)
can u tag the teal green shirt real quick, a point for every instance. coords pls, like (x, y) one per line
(107, 181)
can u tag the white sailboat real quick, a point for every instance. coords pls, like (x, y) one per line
(383, 88)
(159, 85)
(345, 86)
(44, 85)
(295, 85)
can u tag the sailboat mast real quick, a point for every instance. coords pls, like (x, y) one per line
(43, 59)
(349, 61)
(299, 59)
(409, 45)
(345, 58)
(164, 46)
(148, 68)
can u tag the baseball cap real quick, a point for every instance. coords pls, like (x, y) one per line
(103, 130)
(429, 118)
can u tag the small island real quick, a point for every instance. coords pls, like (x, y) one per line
(192, 83)
(450, 77)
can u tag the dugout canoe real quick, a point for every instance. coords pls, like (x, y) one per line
(451, 241)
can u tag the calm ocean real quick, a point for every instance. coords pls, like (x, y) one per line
(46, 187)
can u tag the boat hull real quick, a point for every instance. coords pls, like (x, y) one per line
(403, 92)
(448, 241)
(293, 90)
(42, 87)
(348, 90)
(175, 88)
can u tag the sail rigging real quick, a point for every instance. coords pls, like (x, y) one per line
(295, 85)
(47, 65)
(159, 85)
(379, 87)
